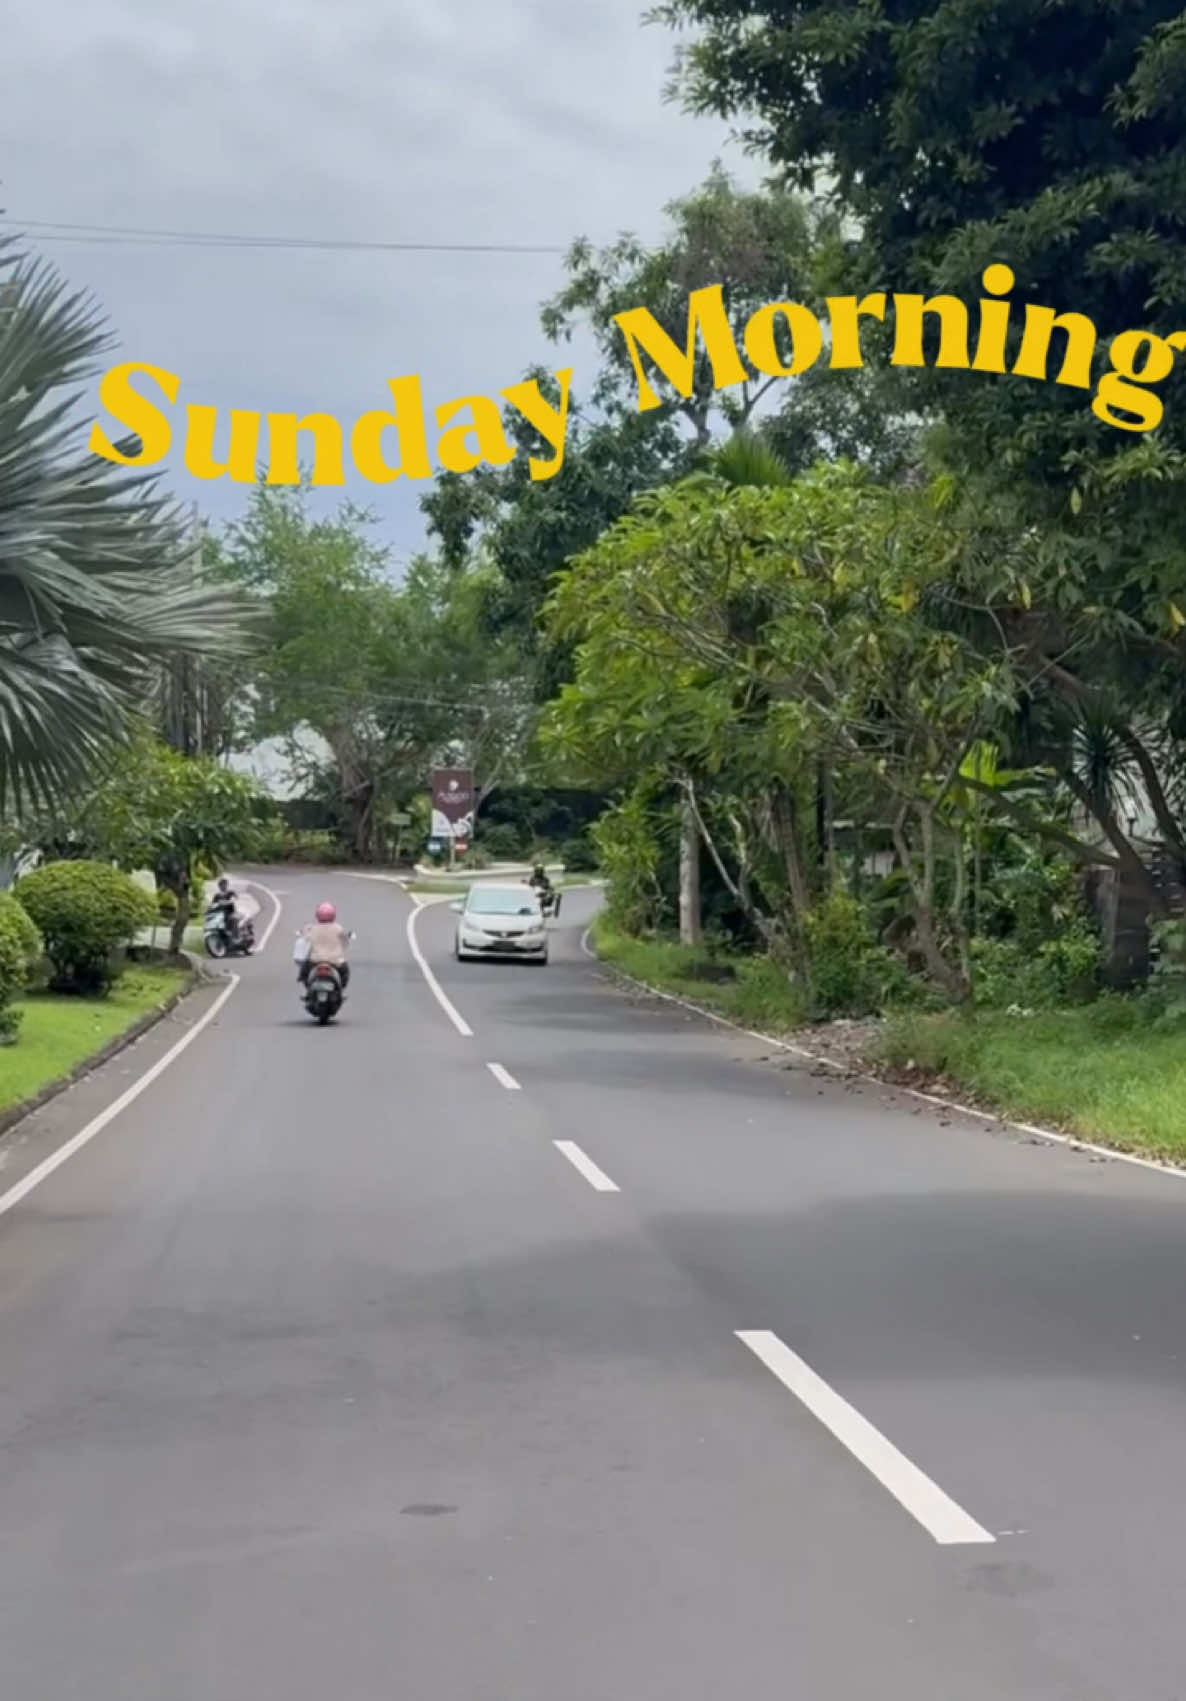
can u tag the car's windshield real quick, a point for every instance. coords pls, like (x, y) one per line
(504, 903)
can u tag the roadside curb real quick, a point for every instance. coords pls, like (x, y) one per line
(17, 1113)
(1110, 1154)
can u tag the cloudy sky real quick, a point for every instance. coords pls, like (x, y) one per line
(516, 121)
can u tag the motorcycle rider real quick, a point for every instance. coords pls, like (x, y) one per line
(328, 940)
(224, 902)
(539, 882)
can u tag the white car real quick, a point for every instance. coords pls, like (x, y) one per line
(500, 921)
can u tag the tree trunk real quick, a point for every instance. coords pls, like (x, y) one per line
(824, 835)
(922, 886)
(786, 828)
(1105, 816)
(690, 930)
(178, 883)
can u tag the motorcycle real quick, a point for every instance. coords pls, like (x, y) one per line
(221, 940)
(549, 899)
(321, 992)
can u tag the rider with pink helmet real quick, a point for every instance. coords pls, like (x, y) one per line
(328, 940)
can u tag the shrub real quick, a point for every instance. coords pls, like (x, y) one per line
(578, 856)
(166, 904)
(1062, 970)
(84, 910)
(852, 973)
(20, 948)
(503, 841)
(630, 853)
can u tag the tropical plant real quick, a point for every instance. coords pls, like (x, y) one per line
(97, 584)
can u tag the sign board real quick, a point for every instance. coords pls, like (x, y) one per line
(434, 846)
(452, 803)
(460, 846)
(399, 818)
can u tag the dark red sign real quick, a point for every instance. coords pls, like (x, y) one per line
(452, 802)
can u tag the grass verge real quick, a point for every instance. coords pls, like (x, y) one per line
(1104, 1071)
(750, 990)
(58, 1034)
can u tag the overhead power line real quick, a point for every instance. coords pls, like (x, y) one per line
(52, 230)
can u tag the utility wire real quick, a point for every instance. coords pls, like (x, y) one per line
(121, 235)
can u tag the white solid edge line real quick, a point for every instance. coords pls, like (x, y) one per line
(434, 986)
(595, 1177)
(56, 1159)
(1075, 1141)
(277, 907)
(504, 1077)
(938, 1514)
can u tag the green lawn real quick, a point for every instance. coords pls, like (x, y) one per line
(57, 1034)
(1104, 1071)
(749, 990)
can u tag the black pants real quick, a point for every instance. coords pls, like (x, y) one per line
(342, 968)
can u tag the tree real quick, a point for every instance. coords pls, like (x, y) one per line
(733, 637)
(392, 678)
(526, 533)
(94, 588)
(959, 133)
(1049, 139)
(171, 813)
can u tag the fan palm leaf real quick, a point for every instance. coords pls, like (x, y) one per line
(97, 579)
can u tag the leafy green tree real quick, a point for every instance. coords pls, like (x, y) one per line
(392, 677)
(759, 247)
(526, 533)
(172, 814)
(959, 133)
(733, 636)
(96, 582)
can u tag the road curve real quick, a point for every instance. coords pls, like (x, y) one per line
(392, 1359)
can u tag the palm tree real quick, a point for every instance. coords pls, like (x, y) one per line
(97, 587)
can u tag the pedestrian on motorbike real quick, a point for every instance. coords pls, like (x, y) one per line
(327, 940)
(224, 902)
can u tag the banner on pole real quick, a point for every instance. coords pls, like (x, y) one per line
(452, 803)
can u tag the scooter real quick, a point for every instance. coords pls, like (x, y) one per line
(221, 941)
(322, 992)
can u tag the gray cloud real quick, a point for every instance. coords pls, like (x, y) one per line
(447, 120)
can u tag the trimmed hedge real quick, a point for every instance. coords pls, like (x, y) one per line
(20, 950)
(84, 911)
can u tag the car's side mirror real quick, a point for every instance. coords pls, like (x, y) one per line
(457, 907)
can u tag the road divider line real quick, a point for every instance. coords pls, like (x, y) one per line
(504, 1077)
(434, 986)
(939, 1515)
(56, 1159)
(595, 1177)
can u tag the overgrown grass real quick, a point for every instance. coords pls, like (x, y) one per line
(749, 990)
(1105, 1071)
(57, 1033)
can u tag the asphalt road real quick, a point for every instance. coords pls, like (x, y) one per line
(326, 1372)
